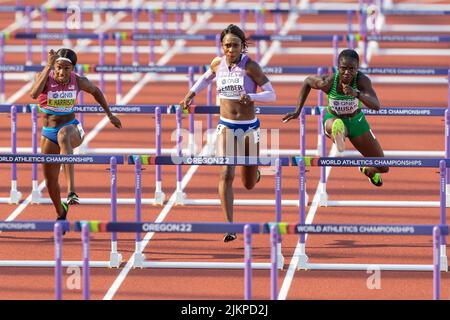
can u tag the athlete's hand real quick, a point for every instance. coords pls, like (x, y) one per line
(348, 90)
(244, 99)
(291, 115)
(187, 101)
(51, 57)
(115, 121)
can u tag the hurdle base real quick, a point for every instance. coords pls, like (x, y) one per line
(160, 197)
(36, 197)
(51, 263)
(447, 196)
(205, 265)
(366, 267)
(370, 203)
(280, 257)
(98, 201)
(323, 199)
(443, 258)
(138, 260)
(180, 198)
(115, 259)
(302, 258)
(15, 197)
(240, 202)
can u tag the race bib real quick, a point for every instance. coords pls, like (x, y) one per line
(343, 106)
(230, 87)
(61, 101)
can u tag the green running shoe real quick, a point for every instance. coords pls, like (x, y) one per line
(375, 180)
(64, 216)
(338, 134)
(258, 176)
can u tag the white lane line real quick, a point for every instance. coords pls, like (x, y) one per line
(41, 186)
(165, 211)
(289, 24)
(162, 215)
(282, 295)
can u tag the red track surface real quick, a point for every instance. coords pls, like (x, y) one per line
(396, 133)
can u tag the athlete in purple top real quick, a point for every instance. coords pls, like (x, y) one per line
(56, 91)
(237, 77)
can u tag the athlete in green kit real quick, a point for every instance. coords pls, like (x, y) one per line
(347, 90)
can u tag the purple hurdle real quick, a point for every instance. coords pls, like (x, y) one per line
(248, 262)
(85, 239)
(14, 195)
(58, 260)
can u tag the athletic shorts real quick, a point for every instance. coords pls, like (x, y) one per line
(356, 125)
(52, 133)
(240, 127)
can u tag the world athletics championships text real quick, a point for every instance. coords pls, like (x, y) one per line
(370, 162)
(17, 226)
(45, 159)
(356, 229)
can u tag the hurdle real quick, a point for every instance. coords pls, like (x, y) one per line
(178, 160)
(302, 162)
(188, 227)
(115, 257)
(41, 226)
(436, 231)
(275, 230)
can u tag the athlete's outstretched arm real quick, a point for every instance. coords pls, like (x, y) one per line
(206, 79)
(312, 82)
(85, 85)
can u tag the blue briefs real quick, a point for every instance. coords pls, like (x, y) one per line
(52, 133)
(240, 127)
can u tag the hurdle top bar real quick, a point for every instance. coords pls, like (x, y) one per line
(168, 227)
(282, 228)
(60, 158)
(230, 9)
(19, 226)
(370, 162)
(175, 69)
(213, 109)
(208, 161)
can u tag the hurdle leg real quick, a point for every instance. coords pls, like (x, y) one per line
(159, 194)
(274, 261)
(180, 196)
(303, 141)
(302, 257)
(443, 217)
(279, 255)
(115, 258)
(436, 264)
(36, 195)
(447, 147)
(86, 281)
(323, 195)
(58, 261)
(247, 262)
(14, 194)
(138, 257)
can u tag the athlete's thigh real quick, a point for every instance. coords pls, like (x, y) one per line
(51, 170)
(252, 151)
(71, 131)
(367, 145)
(225, 142)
